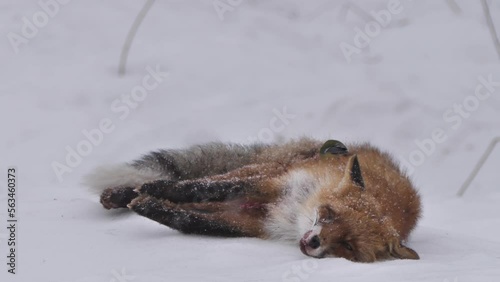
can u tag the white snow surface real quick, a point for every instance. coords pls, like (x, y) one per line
(227, 78)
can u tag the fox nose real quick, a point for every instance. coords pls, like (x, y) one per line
(314, 242)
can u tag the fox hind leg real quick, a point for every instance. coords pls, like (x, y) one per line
(202, 221)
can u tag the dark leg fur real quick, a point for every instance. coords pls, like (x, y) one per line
(193, 191)
(186, 221)
(190, 191)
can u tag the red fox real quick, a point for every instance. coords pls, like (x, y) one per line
(332, 201)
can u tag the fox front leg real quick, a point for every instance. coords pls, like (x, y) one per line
(185, 221)
(195, 191)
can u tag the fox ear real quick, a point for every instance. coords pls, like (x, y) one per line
(353, 172)
(399, 251)
(333, 147)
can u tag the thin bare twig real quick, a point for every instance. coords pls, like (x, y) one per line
(478, 166)
(491, 26)
(319, 10)
(344, 9)
(454, 6)
(360, 12)
(131, 34)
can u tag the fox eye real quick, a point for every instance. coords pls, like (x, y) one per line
(325, 214)
(347, 245)
(325, 220)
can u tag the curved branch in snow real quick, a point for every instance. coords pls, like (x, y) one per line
(491, 26)
(454, 6)
(131, 34)
(478, 166)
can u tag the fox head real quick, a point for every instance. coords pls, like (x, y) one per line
(355, 223)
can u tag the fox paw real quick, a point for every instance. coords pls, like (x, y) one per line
(139, 200)
(113, 198)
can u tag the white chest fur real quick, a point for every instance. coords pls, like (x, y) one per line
(293, 215)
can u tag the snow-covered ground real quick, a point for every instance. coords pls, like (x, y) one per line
(229, 76)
